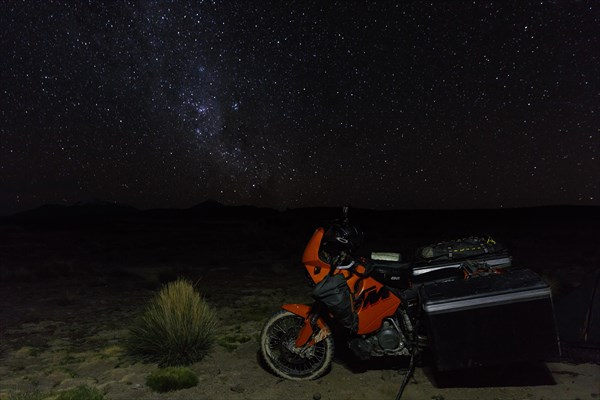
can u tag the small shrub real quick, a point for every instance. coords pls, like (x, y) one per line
(177, 328)
(171, 378)
(233, 341)
(25, 396)
(81, 393)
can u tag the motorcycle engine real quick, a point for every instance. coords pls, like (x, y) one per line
(389, 341)
(388, 337)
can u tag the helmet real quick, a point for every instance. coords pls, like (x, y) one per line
(342, 237)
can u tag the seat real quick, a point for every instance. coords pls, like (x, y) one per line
(392, 273)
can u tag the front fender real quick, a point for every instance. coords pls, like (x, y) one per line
(307, 331)
(302, 310)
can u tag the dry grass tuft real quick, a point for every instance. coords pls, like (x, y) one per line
(171, 378)
(81, 393)
(177, 328)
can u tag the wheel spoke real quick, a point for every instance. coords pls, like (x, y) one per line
(281, 348)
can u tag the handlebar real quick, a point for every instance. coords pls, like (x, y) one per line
(367, 264)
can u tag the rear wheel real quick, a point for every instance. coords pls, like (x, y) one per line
(277, 345)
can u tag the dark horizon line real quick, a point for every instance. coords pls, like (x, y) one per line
(214, 203)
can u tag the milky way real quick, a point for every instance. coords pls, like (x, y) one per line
(288, 104)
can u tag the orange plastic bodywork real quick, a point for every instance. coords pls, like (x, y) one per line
(372, 301)
(317, 269)
(306, 332)
(301, 310)
(375, 302)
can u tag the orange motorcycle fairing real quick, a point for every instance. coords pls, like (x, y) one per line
(317, 268)
(374, 303)
(307, 331)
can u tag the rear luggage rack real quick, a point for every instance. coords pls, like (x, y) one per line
(492, 261)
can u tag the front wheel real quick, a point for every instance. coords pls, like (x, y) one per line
(277, 345)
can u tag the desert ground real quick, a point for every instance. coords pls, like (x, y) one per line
(71, 282)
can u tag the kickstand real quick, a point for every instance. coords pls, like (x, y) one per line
(411, 370)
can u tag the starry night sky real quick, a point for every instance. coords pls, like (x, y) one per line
(446, 104)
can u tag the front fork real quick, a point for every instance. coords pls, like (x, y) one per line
(307, 337)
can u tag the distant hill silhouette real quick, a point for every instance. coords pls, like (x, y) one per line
(105, 211)
(98, 212)
(207, 205)
(82, 210)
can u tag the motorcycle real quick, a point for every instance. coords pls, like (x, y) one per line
(460, 308)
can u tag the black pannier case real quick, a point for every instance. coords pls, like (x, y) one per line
(490, 320)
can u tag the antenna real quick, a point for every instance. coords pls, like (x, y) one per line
(345, 210)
